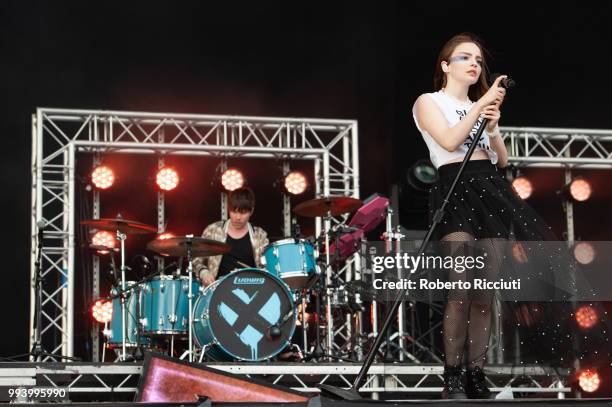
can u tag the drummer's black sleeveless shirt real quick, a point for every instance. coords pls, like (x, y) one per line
(241, 250)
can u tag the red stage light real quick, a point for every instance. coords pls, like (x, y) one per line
(102, 177)
(518, 253)
(589, 380)
(102, 311)
(104, 239)
(580, 189)
(232, 179)
(586, 316)
(167, 179)
(295, 183)
(584, 252)
(523, 187)
(165, 236)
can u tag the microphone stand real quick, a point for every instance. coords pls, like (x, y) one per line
(352, 393)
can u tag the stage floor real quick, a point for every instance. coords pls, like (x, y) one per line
(86, 382)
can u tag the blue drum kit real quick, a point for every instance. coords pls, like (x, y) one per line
(249, 315)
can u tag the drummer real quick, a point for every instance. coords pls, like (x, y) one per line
(246, 241)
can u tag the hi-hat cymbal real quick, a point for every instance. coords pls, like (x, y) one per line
(333, 205)
(130, 227)
(181, 246)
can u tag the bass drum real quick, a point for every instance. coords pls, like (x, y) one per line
(235, 315)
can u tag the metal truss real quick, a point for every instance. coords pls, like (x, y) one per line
(384, 381)
(58, 134)
(562, 148)
(557, 147)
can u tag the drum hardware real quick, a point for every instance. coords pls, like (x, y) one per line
(326, 207)
(122, 227)
(188, 246)
(133, 330)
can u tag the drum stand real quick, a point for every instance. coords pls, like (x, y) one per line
(190, 298)
(328, 311)
(121, 238)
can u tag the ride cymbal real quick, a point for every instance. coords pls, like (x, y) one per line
(332, 205)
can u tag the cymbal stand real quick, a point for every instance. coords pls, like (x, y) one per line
(305, 326)
(391, 237)
(190, 296)
(121, 238)
(328, 311)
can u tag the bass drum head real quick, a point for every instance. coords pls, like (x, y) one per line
(244, 306)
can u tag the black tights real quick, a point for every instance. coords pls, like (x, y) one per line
(467, 316)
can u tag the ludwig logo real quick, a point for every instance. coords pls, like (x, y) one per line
(249, 280)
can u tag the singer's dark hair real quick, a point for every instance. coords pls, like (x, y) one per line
(242, 200)
(439, 79)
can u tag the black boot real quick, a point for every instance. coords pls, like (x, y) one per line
(454, 379)
(476, 386)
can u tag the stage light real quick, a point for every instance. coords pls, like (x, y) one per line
(102, 311)
(295, 183)
(523, 187)
(589, 380)
(102, 177)
(580, 189)
(232, 179)
(586, 316)
(518, 253)
(167, 178)
(421, 175)
(103, 238)
(584, 253)
(164, 236)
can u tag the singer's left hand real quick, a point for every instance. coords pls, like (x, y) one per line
(492, 113)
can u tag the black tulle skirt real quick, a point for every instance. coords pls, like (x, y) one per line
(485, 205)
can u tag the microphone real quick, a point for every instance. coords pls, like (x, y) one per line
(274, 331)
(41, 224)
(507, 82)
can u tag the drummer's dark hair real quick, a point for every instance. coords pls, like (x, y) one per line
(242, 200)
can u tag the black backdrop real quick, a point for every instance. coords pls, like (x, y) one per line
(366, 61)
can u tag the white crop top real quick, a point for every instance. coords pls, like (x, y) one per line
(454, 111)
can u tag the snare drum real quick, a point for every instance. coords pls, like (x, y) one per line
(115, 336)
(165, 305)
(293, 260)
(234, 315)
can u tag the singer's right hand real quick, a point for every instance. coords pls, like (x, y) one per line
(495, 94)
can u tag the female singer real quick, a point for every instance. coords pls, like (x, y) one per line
(484, 207)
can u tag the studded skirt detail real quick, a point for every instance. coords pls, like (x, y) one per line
(484, 205)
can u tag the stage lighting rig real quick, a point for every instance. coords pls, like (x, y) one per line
(523, 187)
(295, 183)
(232, 179)
(578, 190)
(102, 177)
(167, 178)
(102, 311)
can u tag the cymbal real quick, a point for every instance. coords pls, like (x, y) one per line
(131, 227)
(178, 246)
(335, 205)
